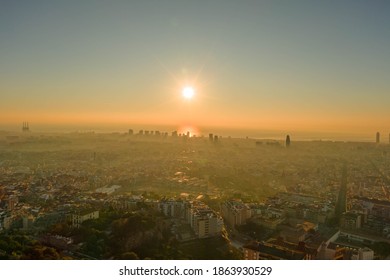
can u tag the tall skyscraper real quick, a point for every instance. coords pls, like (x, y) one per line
(378, 137)
(288, 141)
(25, 127)
(211, 137)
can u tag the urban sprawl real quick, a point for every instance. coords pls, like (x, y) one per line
(154, 195)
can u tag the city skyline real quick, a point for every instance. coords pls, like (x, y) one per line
(277, 67)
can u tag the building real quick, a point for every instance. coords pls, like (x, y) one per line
(275, 251)
(335, 251)
(28, 222)
(125, 203)
(288, 141)
(79, 217)
(205, 222)
(271, 218)
(7, 222)
(172, 208)
(25, 127)
(296, 230)
(235, 212)
(12, 202)
(376, 207)
(251, 251)
(378, 137)
(4, 220)
(365, 254)
(350, 221)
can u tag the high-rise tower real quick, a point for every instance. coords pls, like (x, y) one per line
(378, 137)
(25, 127)
(288, 141)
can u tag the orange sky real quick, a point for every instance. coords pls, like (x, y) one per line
(254, 65)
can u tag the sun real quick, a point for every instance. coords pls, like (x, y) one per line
(188, 92)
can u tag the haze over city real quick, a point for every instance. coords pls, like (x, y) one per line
(264, 67)
(195, 130)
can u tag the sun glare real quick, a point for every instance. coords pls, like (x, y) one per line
(188, 92)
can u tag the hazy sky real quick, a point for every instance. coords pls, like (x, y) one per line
(276, 65)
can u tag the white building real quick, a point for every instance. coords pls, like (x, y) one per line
(206, 223)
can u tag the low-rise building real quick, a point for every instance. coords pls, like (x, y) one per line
(337, 251)
(276, 251)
